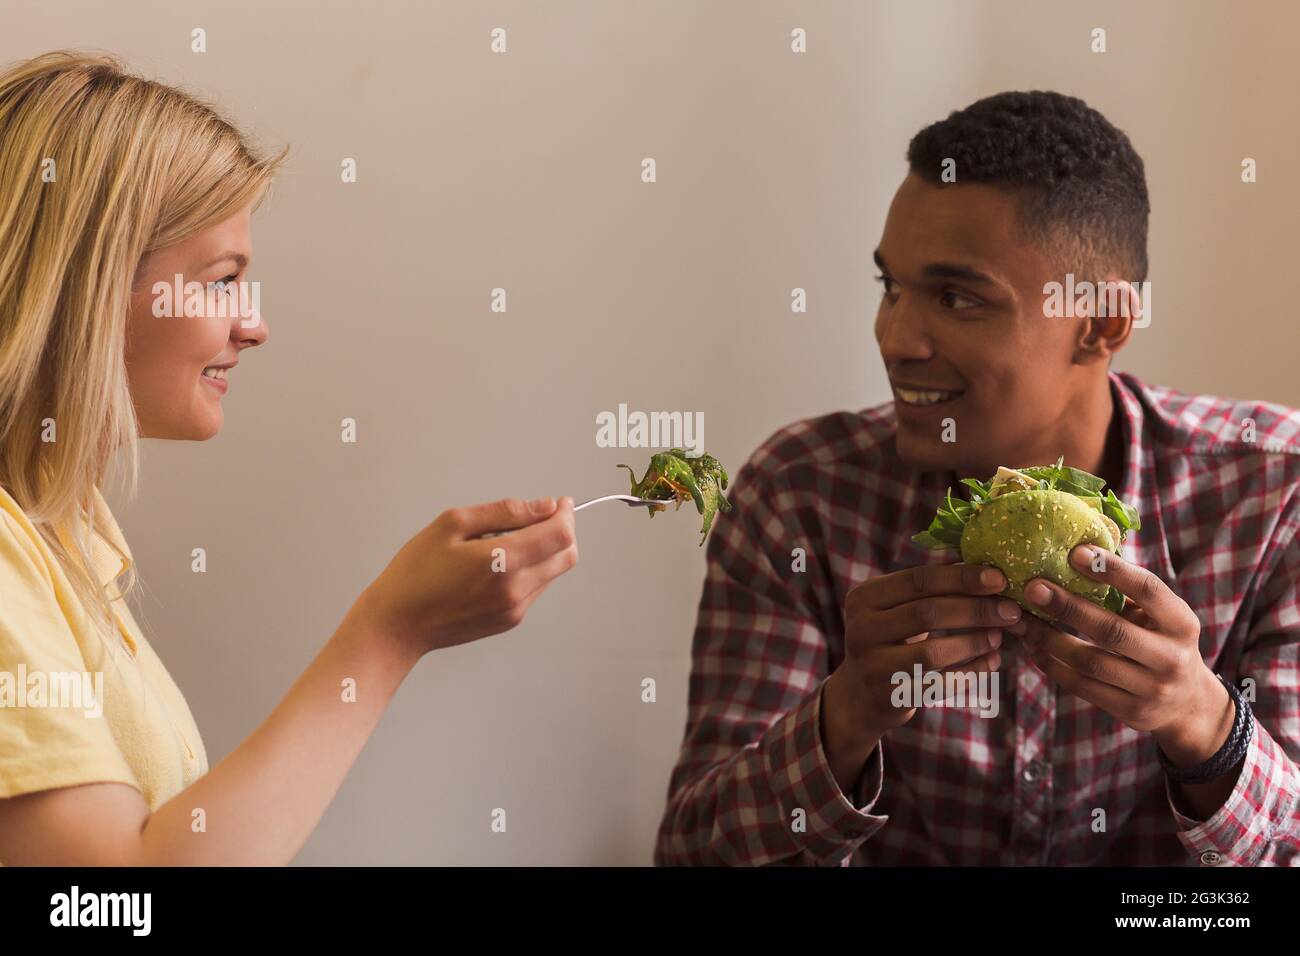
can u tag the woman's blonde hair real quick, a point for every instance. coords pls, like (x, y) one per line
(98, 168)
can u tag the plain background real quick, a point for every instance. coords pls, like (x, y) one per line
(522, 170)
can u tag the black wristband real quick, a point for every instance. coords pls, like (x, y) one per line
(1229, 755)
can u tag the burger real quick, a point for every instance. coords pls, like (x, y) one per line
(1025, 522)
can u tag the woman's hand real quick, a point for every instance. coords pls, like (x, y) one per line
(449, 586)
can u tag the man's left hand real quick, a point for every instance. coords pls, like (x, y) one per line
(1142, 666)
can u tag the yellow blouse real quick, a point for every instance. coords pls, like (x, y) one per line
(75, 709)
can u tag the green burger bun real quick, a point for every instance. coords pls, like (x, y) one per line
(1029, 534)
(1025, 523)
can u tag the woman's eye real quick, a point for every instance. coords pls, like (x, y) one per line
(950, 300)
(224, 285)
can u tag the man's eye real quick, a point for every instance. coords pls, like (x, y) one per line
(887, 282)
(952, 299)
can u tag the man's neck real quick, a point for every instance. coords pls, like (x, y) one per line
(1093, 441)
(1099, 441)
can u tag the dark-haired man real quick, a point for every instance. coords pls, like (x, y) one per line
(1165, 735)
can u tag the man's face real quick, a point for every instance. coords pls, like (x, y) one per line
(962, 315)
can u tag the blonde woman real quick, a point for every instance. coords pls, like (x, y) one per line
(110, 183)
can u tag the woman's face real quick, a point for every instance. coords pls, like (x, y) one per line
(170, 347)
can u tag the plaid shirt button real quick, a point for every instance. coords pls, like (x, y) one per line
(1211, 858)
(1033, 771)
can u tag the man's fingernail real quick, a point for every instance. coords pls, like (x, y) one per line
(1084, 553)
(1008, 610)
(991, 578)
(995, 639)
(540, 506)
(1038, 593)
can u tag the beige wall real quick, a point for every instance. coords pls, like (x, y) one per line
(522, 171)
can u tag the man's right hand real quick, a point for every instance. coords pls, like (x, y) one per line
(946, 617)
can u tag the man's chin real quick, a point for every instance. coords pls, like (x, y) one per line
(930, 453)
(924, 453)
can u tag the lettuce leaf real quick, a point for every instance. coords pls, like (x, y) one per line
(949, 521)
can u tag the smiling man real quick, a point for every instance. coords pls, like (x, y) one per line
(1163, 735)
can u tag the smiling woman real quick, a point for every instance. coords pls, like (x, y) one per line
(114, 188)
(142, 180)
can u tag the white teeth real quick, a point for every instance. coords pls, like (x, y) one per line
(924, 398)
(214, 373)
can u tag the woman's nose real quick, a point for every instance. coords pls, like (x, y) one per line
(250, 329)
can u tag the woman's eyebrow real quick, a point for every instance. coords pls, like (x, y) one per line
(237, 257)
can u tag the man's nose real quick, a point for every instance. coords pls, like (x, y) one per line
(902, 334)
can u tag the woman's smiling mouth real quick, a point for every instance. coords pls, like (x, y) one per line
(215, 375)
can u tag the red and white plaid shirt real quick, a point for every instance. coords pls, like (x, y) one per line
(1220, 508)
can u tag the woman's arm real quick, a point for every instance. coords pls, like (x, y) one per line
(262, 801)
(259, 804)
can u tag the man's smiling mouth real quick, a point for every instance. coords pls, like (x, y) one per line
(923, 397)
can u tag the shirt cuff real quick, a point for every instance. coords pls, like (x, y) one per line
(802, 780)
(1239, 832)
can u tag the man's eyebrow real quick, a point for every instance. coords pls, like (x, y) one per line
(945, 270)
(237, 257)
(950, 270)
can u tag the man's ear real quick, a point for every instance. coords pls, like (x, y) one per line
(1107, 325)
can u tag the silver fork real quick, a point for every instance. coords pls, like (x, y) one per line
(632, 501)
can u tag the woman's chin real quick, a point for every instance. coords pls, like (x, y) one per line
(206, 418)
(190, 428)
(207, 428)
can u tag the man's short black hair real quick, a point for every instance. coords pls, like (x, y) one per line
(1082, 186)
